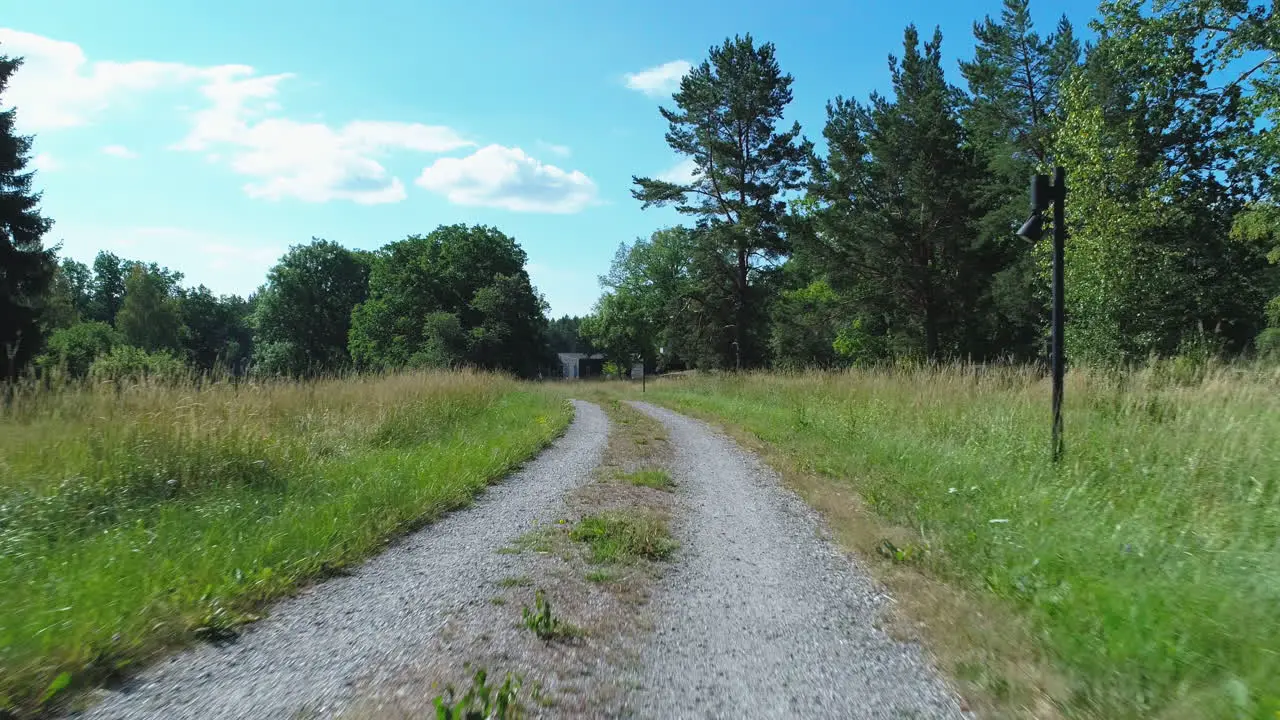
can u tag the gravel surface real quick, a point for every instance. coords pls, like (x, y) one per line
(763, 616)
(308, 656)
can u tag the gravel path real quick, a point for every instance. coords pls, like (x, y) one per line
(310, 653)
(763, 616)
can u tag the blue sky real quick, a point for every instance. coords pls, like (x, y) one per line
(208, 137)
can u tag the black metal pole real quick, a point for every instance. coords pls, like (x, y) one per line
(1059, 304)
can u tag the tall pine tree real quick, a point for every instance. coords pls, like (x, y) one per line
(899, 201)
(1014, 109)
(726, 120)
(26, 267)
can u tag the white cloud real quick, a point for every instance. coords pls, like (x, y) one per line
(308, 161)
(44, 162)
(58, 87)
(659, 81)
(561, 150)
(682, 173)
(119, 151)
(503, 177)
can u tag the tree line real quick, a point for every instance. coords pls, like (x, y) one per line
(457, 296)
(896, 241)
(899, 240)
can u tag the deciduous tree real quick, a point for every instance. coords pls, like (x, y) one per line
(303, 314)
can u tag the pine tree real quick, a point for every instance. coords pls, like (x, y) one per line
(26, 266)
(726, 121)
(1014, 110)
(899, 202)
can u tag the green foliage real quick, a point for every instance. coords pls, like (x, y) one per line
(67, 301)
(1158, 169)
(106, 293)
(215, 330)
(26, 266)
(898, 222)
(856, 344)
(806, 327)
(512, 322)
(74, 349)
(457, 295)
(543, 622)
(726, 122)
(1013, 111)
(303, 313)
(482, 701)
(1267, 343)
(621, 536)
(444, 344)
(564, 334)
(126, 363)
(149, 318)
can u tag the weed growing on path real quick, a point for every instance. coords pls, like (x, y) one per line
(544, 623)
(619, 536)
(482, 701)
(656, 478)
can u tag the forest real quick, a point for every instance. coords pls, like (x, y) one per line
(893, 242)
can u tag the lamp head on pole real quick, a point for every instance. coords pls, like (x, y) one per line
(1041, 197)
(1033, 228)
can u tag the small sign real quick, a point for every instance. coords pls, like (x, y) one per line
(637, 371)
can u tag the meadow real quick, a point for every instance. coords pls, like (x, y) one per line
(1143, 570)
(137, 518)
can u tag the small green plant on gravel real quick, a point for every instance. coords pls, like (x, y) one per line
(482, 701)
(543, 622)
(624, 536)
(515, 581)
(599, 576)
(654, 478)
(539, 540)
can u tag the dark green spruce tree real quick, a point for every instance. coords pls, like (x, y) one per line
(26, 266)
(726, 121)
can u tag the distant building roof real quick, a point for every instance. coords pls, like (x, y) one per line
(566, 357)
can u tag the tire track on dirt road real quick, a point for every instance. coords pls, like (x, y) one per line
(763, 616)
(308, 656)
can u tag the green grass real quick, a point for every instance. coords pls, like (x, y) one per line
(132, 523)
(1148, 562)
(654, 478)
(620, 536)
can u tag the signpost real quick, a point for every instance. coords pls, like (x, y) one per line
(638, 369)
